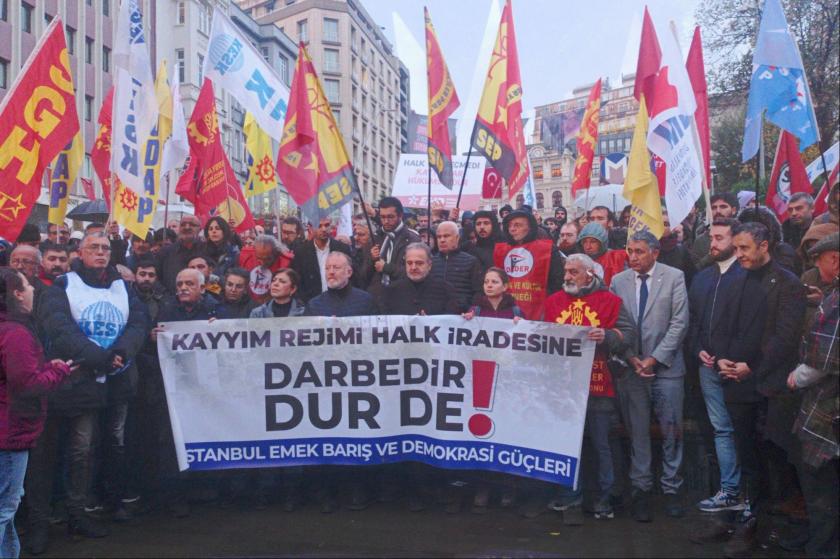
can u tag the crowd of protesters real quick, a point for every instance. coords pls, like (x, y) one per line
(745, 307)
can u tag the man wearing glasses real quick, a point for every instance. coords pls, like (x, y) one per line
(90, 316)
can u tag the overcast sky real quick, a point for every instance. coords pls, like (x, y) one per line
(562, 43)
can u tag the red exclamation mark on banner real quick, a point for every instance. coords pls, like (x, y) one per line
(484, 387)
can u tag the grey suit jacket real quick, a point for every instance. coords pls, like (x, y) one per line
(665, 321)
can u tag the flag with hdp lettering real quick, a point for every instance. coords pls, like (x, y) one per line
(135, 110)
(778, 87)
(235, 65)
(37, 120)
(499, 134)
(262, 176)
(209, 181)
(65, 169)
(312, 161)
(587, 140)
(671, 133)
(443, 101)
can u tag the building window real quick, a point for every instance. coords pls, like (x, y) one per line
(182, 65)
(538, 173)
(331, 60)
(71, 40)
(89, 2)
(264, 53)
(4, 73)
(4, 10)
(556, 170)
(181, 13)
(200, 69)
(88, 108)
(106, 59)
(331, 88)
(337, 114)
(540, 200)
(204, 17)
(106, 8)
(88, 50)
(556, 199)
(26, 17)
(330, 29)
(303, 31)
(283, 64)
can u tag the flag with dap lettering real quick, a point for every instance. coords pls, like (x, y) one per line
(312, 161)
(262, 175)
(65, 168)
(38, 120)
(587, 140)
(443, 101)
(209, 181)
(778, 85)
(499, 135)
(135, 110)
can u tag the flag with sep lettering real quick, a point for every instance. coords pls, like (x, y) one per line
(38, 119)
(499, 135)
(443, 101)
(312, 161)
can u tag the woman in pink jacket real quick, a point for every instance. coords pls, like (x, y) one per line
(24, 380)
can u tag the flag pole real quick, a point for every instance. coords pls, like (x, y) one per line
(429, 184)
(361, 200)
(166, 206)
(464, 175)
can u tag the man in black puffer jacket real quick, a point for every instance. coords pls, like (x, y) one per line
(455, 266)
(90, 316)
(487, 233)
(418, 293)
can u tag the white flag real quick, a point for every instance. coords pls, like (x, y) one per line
(815, 168)
(177, 147)
(233, 63)
(135, 104)
(672, 133)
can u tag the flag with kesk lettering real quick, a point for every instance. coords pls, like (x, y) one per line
(38, 120)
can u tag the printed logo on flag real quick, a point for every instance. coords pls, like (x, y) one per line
(783, 184)
(226, 53)
(518, 262)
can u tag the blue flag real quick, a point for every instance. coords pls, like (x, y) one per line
(778, 84)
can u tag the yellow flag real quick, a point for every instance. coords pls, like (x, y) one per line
(640, 187)
(261, 174)
(136, 212)
(65, 169)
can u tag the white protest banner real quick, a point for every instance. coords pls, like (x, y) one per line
(234, 64)
(483, 394)
(412, 176)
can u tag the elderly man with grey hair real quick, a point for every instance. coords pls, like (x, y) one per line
(418, 292)
(456, 267)
(655, 296)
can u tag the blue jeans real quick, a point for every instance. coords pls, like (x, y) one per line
(727, 455)
(12, 472)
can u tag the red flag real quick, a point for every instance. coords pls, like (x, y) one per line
(697, 74)
(788, 177)
(37, 119)
(661, 173)
(498, 125)
(209, 182)
(87, 185)
(312, 161)
(443, 101)
(491, 187)
(100, 155)
(821, 200)
(649, 62)
(587, 140)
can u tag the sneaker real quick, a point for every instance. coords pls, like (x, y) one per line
(604, 514)
(721, 501)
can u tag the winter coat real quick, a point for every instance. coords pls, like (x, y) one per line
(64, 339)
(174, 258)
(347, 301)
(265, 310)
(462, 271)
(25, 378)
(432, 296)
(236, 309)
(713, 303)
(507, 307)
(396, 268)
(306, 265)
(483, 248)
(226, 257)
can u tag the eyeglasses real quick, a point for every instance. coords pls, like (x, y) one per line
(22, 262)
(98, 248)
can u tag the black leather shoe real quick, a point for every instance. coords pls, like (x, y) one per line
(796, 542)
(715, 531)
(38, 538)
(640, 506)
(674, 505)
(86, 527)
